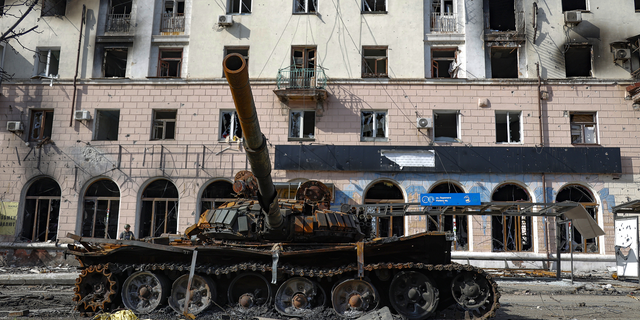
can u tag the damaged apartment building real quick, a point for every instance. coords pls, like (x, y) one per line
(124, 116)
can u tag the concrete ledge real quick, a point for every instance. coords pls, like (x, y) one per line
(39, 278)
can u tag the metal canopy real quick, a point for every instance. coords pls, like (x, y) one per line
(544, 209)
(627, 207)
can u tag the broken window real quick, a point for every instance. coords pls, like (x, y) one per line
(569, 5)
(173, 16)
(637, 4)
(374, 62)
(582, 195)
(115, 62)
(159, 212)
(101, 208)
(53, 8)
(502, 15)
(459, 225)
(508, 127)
(217, 193)
(303, 68)
(119, 16)
(577, 60)
(230, 129)
(107, 124)
(41, 125)
(239, 6)
(305, 6)
(374, 125)
(164, 124)
(511, 233)
(443, 18)
(504, 62)
(377, 6)
(445, 125)
(243, 51)
(302, 124)
(41, 211)
(443, 63)
(47, 62)
(170, 63)
(388, 193)
(1, 8)
(584, 128)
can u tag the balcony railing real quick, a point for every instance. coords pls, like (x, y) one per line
(171, 23)
(443, 22)
(301, 78)
(120, 23)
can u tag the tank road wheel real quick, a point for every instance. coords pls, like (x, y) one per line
(144, 291)
(474, 294)
(297, 295)
(353, 298)
(203, 293)
(413, 295)
(249, 290)
(95, 289)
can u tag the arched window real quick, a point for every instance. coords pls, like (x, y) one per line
(511, 233)
(386, 192)
(41, 211)
(459, 225)
(215, 194)
(101, 207)
(159, 209)
(580, 194)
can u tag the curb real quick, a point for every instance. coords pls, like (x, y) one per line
(40, 278)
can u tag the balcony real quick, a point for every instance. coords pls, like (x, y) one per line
(443, 23)
(172, 24)
(302, 84)
(118, 23)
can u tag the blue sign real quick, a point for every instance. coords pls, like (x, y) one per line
(449, 199)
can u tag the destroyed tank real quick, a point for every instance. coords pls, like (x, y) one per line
(292, 255)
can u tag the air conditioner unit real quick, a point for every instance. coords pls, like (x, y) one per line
(423, 123)
(82, 115)
(572, 17)
(621, 54)
(14, 126)
(225, 20)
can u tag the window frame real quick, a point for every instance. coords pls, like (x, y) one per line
(508, 126)
(581, 124)
(434, 62)
(375, 10)
(48, 65)
(55, 10)
(375, 73)
(517, 59)
(47, 130)
(234, 120)
(458, 129)
(231, 4)
(107, 50)
(164, 122)
(586, 7)
(297, 3)
(374, 125)
(96, 126)
(585, 46)
(301, 129)
(236, 49)
(169, 60)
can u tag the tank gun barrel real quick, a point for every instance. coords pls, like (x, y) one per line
(255, 144)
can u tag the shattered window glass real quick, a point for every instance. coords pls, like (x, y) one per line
(374, 5)
(305, 6)
(302, 124)
(230, 129)
(374, 124)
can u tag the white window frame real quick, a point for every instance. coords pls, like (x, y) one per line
(306, 8)
(519, 113)
(374, 125)
(596, 134)
(458, 130)
(232, 128)
(301, 125)
(36, 68)
(230, 5)
(367, 9)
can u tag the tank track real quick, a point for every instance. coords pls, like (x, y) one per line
(227, 270)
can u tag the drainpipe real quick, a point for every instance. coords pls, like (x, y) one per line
(75, 77)
(544, 177)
